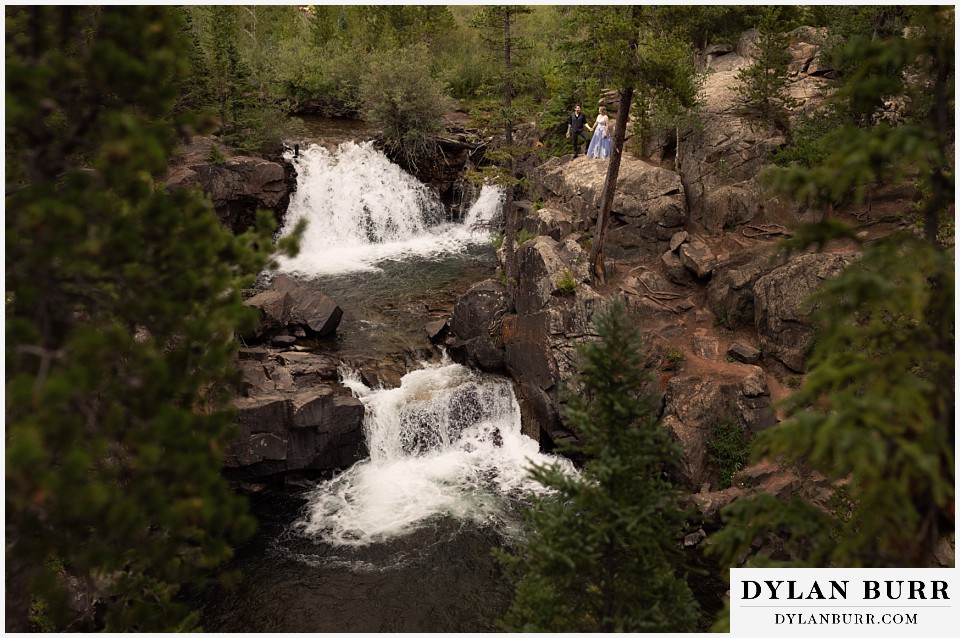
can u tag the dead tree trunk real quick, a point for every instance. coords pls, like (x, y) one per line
(597, 272)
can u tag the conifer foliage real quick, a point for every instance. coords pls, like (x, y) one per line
(877, 410)
(604, 550)
(762, 85)
(122, 304)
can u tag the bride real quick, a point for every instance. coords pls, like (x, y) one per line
(600, 143)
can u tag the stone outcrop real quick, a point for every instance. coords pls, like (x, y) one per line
(697, 400)
(783, 314)
(292, 418)
(730, 291)
(550, 222)
(289, 308)
(720, 160)
(648, 209)
(476, 339)
(536, 345)
(238, 185)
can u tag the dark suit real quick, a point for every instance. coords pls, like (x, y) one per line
(576, 123)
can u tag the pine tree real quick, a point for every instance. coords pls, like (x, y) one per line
(122, 304)
(762, 85)
(603, 553)
(876, 412)
(497, 26)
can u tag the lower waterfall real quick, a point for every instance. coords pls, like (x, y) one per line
(446, 443)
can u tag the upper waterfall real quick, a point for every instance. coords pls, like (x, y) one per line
(362, 209)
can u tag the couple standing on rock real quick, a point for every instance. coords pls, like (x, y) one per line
(601, 143)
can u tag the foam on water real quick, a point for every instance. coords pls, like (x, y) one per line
(362, 209)
(447, 442)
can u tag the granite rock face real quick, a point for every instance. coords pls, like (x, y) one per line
(783, 314)
(238, 186)
(292, 418)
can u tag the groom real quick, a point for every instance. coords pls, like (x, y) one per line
(575, 126)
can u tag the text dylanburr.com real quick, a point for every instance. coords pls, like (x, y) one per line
(843, 602)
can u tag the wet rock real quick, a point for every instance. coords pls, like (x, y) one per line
(309, 407)
(256, 354)
(476, 338)
(308, 307)
(308, 369)
(274, 307)
(436, 330)
(283, 341)
(286, 426)
(263, 413)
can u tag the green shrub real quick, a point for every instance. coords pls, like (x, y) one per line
(217, 156)
(728, 449)
(404, 102)
(604, 552)
(675, 356)
(497, 241)
(524, 236)
(567, 285)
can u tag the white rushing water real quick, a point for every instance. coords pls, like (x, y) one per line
(447, 442)
(362, 209)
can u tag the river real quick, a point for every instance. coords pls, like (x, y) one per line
(403, 540)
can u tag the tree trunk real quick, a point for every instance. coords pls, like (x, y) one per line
(509, 209)
(597, 272)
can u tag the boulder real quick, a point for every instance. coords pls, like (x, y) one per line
(475, 335)
(698, 257)
(678, 239)
(553, 223)
(674, 269)
(784, 316)
(283, 341)
(706, 345)
(274, 307)
(308, 307)
(436, 330)
(648, 209)
(743, 353)
(730, 291)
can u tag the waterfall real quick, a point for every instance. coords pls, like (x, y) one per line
(447, 442)
(363, 209)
